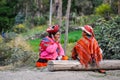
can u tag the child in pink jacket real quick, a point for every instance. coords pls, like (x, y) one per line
(50, 48)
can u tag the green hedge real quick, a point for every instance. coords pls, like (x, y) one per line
(108, 36)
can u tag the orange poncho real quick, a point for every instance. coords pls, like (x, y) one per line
(87, 49)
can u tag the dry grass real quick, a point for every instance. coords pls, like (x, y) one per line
(7, 67)
(19, 42)
(1, 39)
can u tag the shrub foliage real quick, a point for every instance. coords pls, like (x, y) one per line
(108, 36)
(15, 51)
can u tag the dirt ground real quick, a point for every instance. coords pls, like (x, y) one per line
(43, 74)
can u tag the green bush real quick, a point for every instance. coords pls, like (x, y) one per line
(117, 20)
(103, 9)
(40, 21)
(9, 36)
(83, 20)
(19, 28)
(7, 14)
(108, 36)
(15, 51)
(4, 54)
(19, 18)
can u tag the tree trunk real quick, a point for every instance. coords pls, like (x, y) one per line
(50, 16)
(66, 25)
(38, 3)
(118, 7)
(26, 11)
(60, 13)
(59, 65)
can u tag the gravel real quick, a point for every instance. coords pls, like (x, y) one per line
(26, 73)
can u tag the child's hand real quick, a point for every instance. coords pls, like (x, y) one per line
(59, 57)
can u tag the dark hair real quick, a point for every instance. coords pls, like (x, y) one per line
(50, 34)
(88, 35)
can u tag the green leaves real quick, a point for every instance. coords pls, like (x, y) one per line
(108, 36)
(2, 2)
(7, 14)
(103, 9)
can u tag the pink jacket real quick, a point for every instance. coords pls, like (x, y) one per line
(51, 51)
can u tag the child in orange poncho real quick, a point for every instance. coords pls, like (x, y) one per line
(87, 49)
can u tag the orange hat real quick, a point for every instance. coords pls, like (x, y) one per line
(53, 29)
(88, 29)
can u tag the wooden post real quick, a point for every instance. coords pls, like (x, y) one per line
(72, 65)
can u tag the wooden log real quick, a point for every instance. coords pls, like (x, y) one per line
(72, 65)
